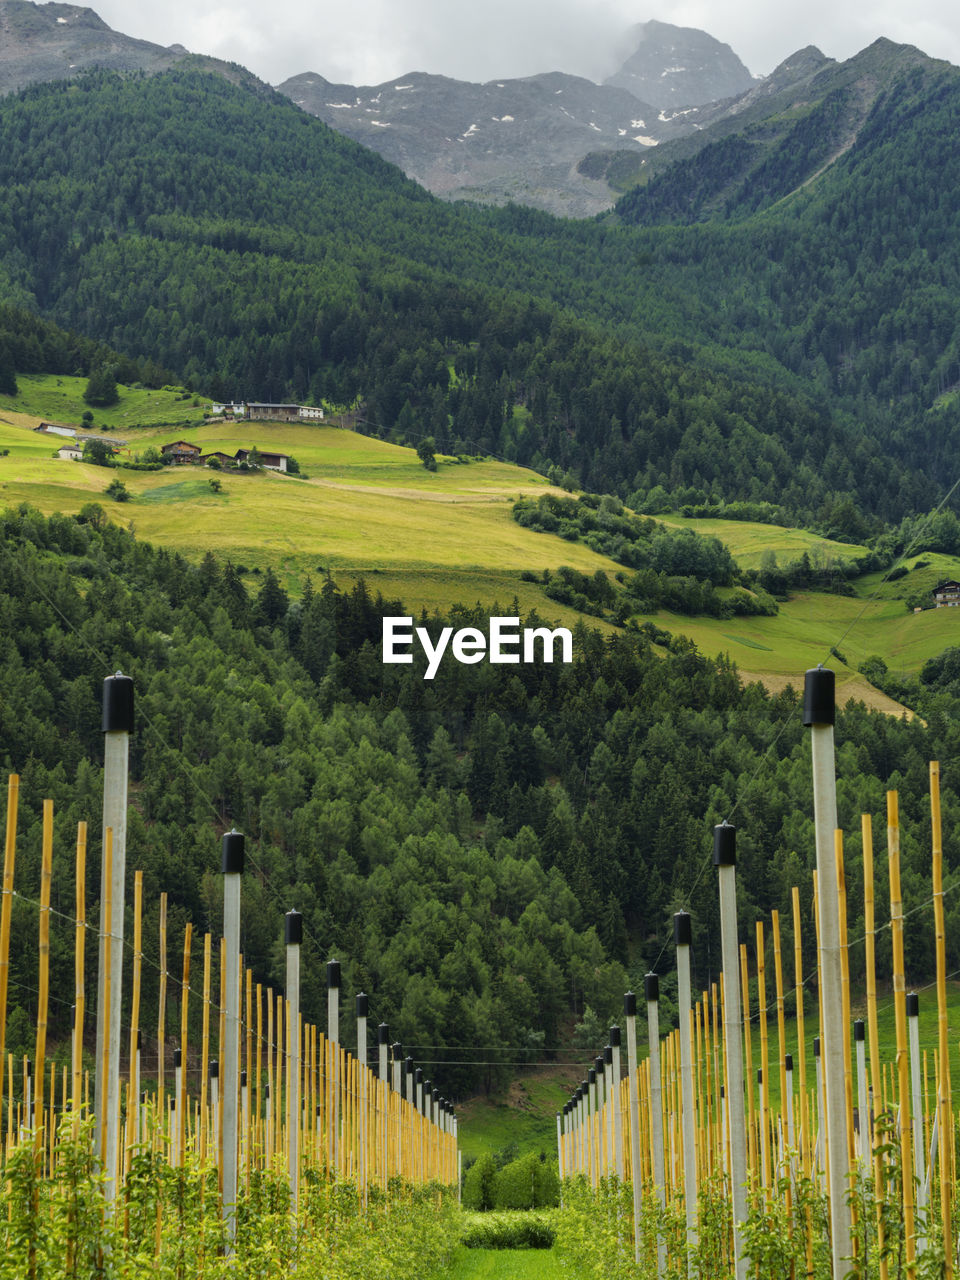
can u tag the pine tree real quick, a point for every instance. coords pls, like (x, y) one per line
(101, 387)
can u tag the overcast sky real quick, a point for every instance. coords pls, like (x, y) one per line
(369, 41)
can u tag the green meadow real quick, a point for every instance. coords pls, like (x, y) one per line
(748, 542)
(366, 508)
(522, 1119)
(59, 398)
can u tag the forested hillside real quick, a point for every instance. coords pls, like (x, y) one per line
(488, 853)
(255, 252)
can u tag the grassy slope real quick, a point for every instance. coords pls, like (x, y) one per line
(369, 508)
(59, 398)
(748, 541)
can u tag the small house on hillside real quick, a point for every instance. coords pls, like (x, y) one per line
(273, 412)
(271, 461)
(73, 452)
(311, 413)
(947, 595)
(181, 451)
(224, 459)
(56, 429)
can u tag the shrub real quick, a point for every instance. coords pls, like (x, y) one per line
(479, 1184)
(509, 1231)
(528, 1183)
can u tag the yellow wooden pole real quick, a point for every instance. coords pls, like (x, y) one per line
(766, 1169)
(804, 1143)
(845, 1007)
(181, 1112)
(748, 1068)
(205, 1051)
(225, 1084)
(44, 994)
(9, 861)
(903, 1064)
(79, 947)
(133, 1128)
(248, 1139)
(944, 1098)
(258, 1123)
(162, 1017)
(107, 983)
(272, 1122)
(873, 1032)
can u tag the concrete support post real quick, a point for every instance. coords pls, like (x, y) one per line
(231, 864)
(819, 714)
(117, 728)
(293, 934)
(682, 937)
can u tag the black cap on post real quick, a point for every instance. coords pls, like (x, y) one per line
(629, 1004)
(615, 1037)
(435, 1096)
(214, 1068)
(724, 845)
(118, 704)
(598, 1063)
(176, 1057)
(788, 1062)
(333, 974)
(139, 1040)
(819, 697)
(585, 1085)
(418, 1076)
(607, 1055)
(293, 928)
(591, 1076)
(231, 854)
(651, 988)
(408, 1065)
(859, 1031)
(362, 1004)
(816, 1046)
(682, 931)
(243, 1079)
(383, 1033)
(397, 1049)
(913, 1005)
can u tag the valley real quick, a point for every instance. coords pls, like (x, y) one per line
(713, 430)
(365, 508)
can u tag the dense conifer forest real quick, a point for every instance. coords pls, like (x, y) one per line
(493, 854)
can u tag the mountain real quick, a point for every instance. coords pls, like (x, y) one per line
(774, 139)
(523, 139)
(504, 140)
(42, 42)
(245, 245)
(676, 67)
(52, 41)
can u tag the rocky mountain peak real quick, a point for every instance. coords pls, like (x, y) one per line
(673, 67)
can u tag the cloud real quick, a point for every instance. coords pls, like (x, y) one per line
(375, 40)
